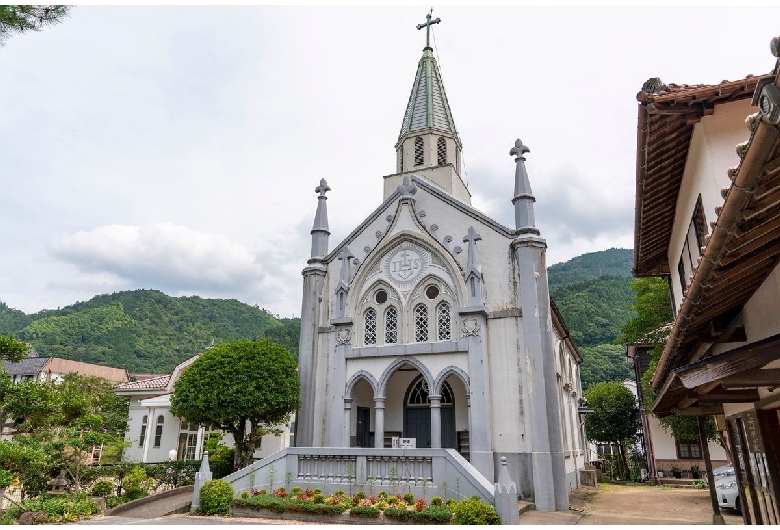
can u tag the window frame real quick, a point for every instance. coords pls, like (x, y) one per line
(158, 430)
(689, 447)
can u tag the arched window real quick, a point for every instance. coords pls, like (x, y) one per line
(418, 151)
(369, 337)
(391, 325)
(419, 393)
(447, 397)
(401, 159)
(420, 323)
(441, 151)
(158, 431)
(144, 424)
(443, 320)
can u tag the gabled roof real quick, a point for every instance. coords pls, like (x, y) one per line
(154, 383)
(428, 106)
(30, 365)
(667, 115)
(741, 252)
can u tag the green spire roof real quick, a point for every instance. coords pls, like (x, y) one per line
(428, 106)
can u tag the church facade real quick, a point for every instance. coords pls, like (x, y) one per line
(431, 324)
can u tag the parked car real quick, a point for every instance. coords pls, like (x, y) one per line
(728, 492)
(719, 473)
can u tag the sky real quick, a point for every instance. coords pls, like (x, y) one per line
(177, 148)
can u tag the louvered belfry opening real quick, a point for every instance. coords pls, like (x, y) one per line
(441, 151)
(418, 151)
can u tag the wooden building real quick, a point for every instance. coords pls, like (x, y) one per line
(708, 220)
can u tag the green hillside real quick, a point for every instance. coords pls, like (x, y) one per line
(144, 330)
(149, 331)
(593, 294)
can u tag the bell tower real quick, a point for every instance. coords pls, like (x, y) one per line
(429, 145)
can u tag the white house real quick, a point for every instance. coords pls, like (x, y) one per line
(707, 211)
(155, 434)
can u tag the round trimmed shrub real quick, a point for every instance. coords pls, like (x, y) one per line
(216, 497)
(408, 498)
(474, 511)
(436, 501)
(103, 488)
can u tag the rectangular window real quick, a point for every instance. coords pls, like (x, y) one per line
(688, 449)
(143, 436)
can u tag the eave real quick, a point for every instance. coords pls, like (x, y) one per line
(664, 130)
(741, 252)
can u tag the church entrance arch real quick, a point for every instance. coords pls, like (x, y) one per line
(417, 414)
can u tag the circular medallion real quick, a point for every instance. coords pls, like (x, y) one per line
(404, 265)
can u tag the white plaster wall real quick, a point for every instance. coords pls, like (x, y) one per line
(506, 384)
(712, 152)
(664, 447)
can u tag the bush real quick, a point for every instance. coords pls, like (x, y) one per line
(296, 490)
(408, 498)
(399, 513)
(216, 497)
(451, 504)
(435, 514)
(61, 508)
(136, 483)
(392, 500)
(318, 498)
(382, 495)
(419, 505)
(474, 511)
(364, 511)
(103, 488)
(280, 505)
(436, 501)
(360, 495)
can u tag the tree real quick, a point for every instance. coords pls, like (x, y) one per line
(19, 19)
(11, 349)
(246, 388)
(65, 419)
(616, 417)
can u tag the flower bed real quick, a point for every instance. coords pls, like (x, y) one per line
(312, 506)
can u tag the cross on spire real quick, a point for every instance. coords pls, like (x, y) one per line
(427, 25)
(322, 188)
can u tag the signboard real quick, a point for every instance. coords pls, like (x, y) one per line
(407, 443)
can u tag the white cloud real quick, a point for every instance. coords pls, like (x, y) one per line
(163, 255)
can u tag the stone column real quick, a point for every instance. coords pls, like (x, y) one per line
(435, 421)
(347, 420)
(379, 422)
(473, 320)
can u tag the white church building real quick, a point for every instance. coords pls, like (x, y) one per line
(432, 321)
(431, 326)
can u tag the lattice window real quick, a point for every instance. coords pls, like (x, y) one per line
(421, 323)
(419, 151)
(419, 393)
(369, 336)
(391, 326)
(443, 320)
(688, 449)
(401, 159)
(446, 394)
(441, 151)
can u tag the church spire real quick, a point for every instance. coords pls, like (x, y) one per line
(428, 106)
(428, 144)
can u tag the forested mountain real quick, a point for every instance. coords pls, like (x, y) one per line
(593, 294)
(144, 330)
(149, 331)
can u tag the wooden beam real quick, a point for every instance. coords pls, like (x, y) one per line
(727, 396)
(718, 367)
(753, 379)
(709, 410)
(687, 402)
(736, 334)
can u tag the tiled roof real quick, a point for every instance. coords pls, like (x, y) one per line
(667, 115)
(147, 384)
(30, 365)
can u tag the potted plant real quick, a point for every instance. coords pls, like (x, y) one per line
(676, 472)
(695, 474)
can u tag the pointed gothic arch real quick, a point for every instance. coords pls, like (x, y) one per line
(356, 378)
(397, 363)
(448, 371)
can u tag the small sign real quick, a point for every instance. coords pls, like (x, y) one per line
(394, 442)
(407, 443)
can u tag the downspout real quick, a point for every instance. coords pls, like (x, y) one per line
(744, 184)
